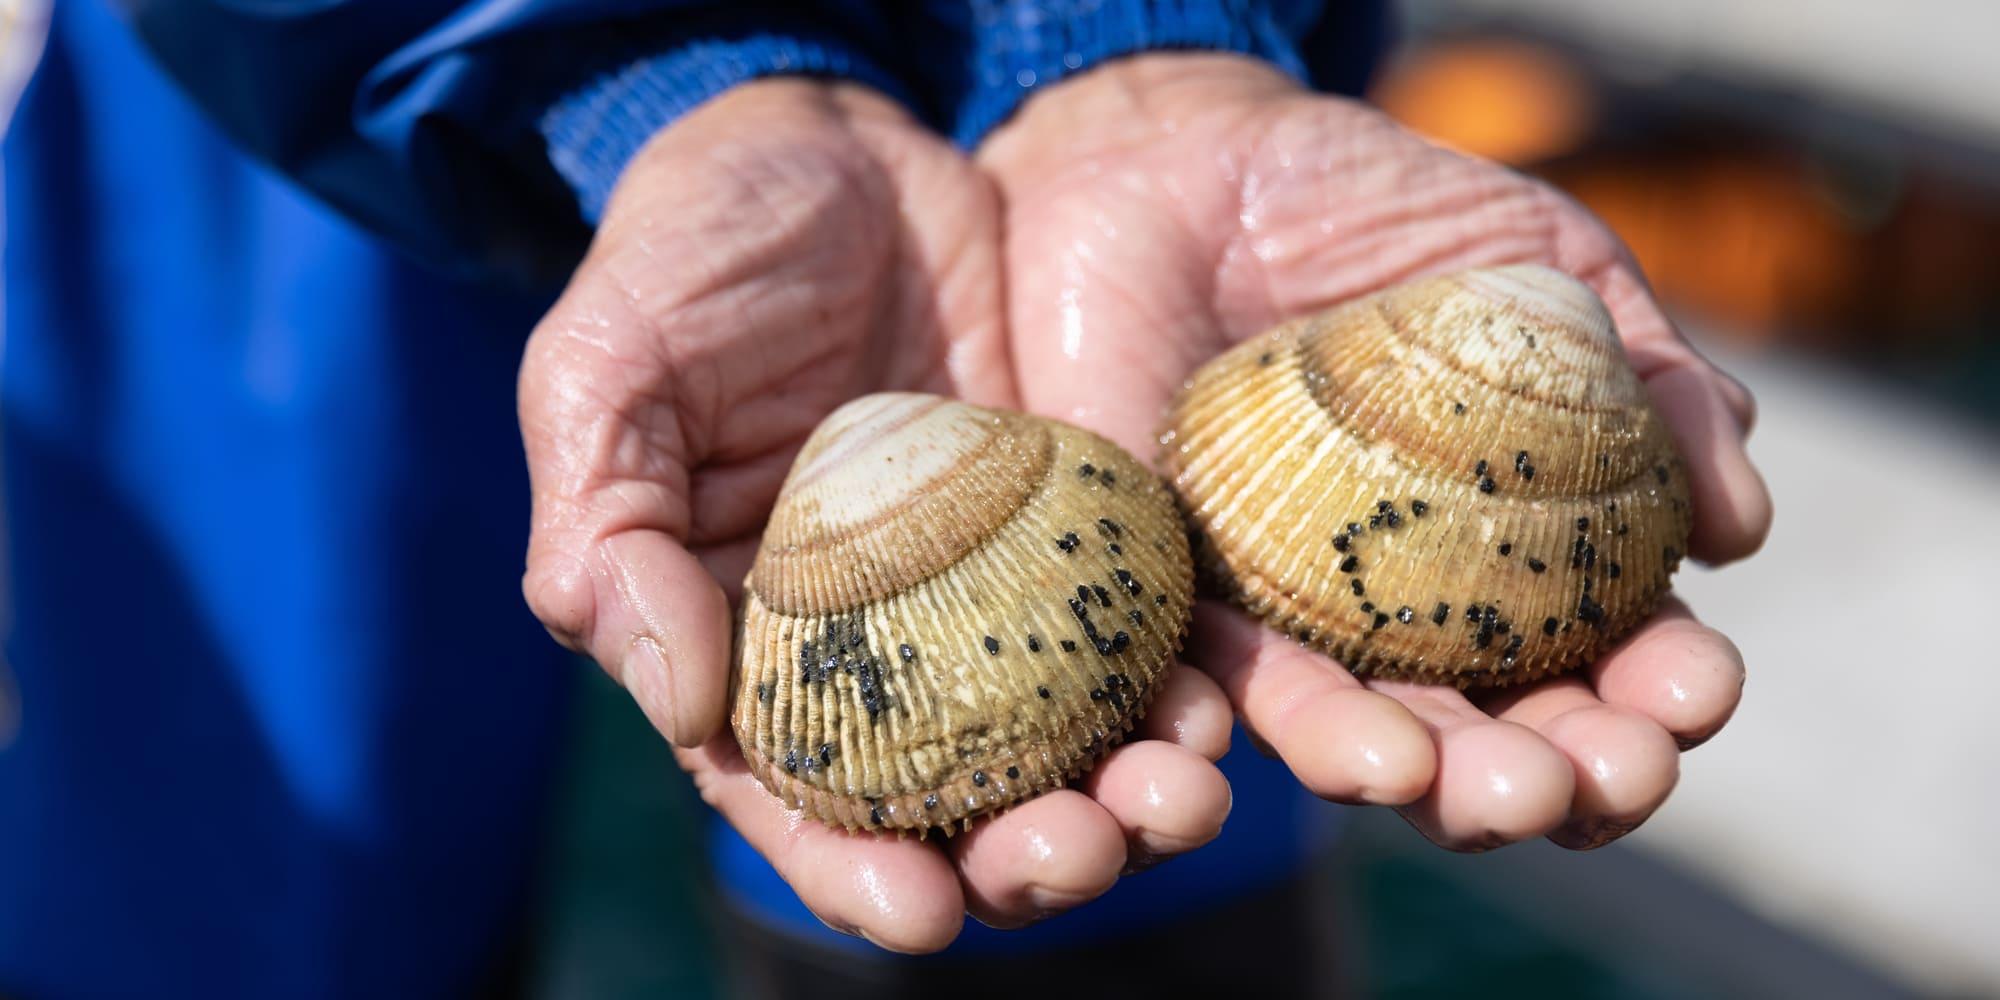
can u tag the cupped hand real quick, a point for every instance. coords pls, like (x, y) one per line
(1162, 208)
(777, 252)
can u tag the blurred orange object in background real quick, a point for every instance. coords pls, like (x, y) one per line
(1506, 100)
(1756, 236)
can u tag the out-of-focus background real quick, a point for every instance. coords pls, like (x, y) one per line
(1813, 186)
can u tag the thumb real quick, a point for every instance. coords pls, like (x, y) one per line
(609, 572)
(641, 605)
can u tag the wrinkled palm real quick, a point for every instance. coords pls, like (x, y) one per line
(774, 254)
(792, 245)
(1170, 206)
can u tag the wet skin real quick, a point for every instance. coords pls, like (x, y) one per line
(791, 245)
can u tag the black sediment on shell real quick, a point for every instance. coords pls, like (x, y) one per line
(1400, 396)
(995, 686)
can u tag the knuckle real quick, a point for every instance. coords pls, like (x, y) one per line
(559, 592)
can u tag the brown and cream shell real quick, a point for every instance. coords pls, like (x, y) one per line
(952, 609)
(1458, 480)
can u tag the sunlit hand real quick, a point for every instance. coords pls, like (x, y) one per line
(1162, 208)
(779, 251)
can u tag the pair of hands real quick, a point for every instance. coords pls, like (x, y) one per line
(793, 244)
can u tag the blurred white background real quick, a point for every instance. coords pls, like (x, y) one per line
(1816, 187)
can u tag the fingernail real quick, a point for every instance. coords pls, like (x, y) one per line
(1591, 834)
(843, 928)
(651, 684)
(1051, 901)
(1003, 925)
(1141, 859)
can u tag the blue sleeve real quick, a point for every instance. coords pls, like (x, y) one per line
(970, 64)
(481, 136)
(1021, 46)
(485, 135)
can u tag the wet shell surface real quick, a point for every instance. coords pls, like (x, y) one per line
(1458, 480)
(952, 609)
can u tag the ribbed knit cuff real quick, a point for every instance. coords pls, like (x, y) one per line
(594, 130)
(1022, 45)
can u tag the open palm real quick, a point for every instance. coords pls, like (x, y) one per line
(776, 253)
(1163, 208)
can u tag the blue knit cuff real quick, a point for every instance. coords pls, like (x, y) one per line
(1022, 45)
(595, 129)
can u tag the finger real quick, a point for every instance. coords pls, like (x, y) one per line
(1709, 414)
(1167, 799)
(1742, 403)
(1042, 857)
(1732, 507)
(1625, 763)
(900, 894)
(662, 629)
(607, 572)
(1497, 782)
(1190, 711)
(646, 610)
(1343, 742)
(1676, 671)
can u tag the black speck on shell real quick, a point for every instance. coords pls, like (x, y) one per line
(1589, 611)
(1374, 425)
(851, 676)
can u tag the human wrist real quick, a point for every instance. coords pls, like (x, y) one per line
(595, 129)
(1022, 47)
(1129, 101)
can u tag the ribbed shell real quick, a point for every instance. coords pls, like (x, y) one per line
(952, 609)
(1459, 480)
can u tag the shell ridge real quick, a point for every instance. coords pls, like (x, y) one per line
(1397, 326)
(978, 713)
(1435, 509)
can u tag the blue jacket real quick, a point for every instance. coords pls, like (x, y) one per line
(273, 720)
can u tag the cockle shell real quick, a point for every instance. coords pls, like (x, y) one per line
(952, 609)
(1458, 480)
